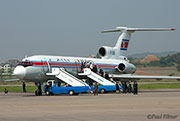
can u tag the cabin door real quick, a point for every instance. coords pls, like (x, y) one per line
(78, 66)
(46, 66)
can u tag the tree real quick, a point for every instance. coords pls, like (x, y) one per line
(1, 71)
(178, 67)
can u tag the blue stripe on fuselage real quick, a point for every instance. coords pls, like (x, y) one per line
(67, 67)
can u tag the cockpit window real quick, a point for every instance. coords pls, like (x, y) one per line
(26, 63)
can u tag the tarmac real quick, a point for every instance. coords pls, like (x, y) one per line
(158, 105)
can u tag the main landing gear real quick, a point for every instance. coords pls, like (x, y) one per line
(38, 92)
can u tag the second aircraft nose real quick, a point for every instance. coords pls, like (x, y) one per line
(20, 72)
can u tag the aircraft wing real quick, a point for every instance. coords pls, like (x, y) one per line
(137, 77)
(11, 80)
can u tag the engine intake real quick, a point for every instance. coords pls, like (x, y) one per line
(127, 68)
(106, 52)
(102, 51)
(121, 67)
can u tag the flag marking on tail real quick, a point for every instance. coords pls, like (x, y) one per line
(124, 44)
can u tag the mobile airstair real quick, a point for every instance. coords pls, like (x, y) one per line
(75, 85)
(105, 85)
(96, 77)
(68, 78)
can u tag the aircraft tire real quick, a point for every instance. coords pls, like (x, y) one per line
(38, 92)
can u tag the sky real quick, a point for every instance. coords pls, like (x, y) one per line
(73, 27)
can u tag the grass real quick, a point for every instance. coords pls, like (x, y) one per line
(18, 88)
(163, 80)
(160, 70)
(14, 82)
(160, 86)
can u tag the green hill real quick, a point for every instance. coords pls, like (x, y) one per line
(170, 60)
(173, 58)
(157, 54)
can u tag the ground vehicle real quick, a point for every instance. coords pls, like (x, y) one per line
(52, 88)
(105, 88)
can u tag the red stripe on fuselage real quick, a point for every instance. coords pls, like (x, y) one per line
(69, 65)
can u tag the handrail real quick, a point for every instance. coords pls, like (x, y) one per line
(72, 76)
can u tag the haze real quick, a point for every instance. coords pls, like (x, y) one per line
(73, 28)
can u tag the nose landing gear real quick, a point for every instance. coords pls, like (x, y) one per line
(38, 92)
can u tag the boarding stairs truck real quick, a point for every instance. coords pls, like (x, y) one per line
(105, 85)
(75, 85)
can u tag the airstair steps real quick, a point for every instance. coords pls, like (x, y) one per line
(96, 77)
(66, 77)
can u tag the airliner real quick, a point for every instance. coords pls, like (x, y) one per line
(113, 60)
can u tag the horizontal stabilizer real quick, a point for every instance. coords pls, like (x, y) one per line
(120, 29)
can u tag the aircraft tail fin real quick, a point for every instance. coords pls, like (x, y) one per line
(121, 46)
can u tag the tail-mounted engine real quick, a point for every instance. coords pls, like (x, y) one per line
(106, 52)
(125, 67)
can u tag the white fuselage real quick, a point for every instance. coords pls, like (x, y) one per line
(36, 67)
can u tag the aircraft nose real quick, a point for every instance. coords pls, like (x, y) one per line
(20, 72)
